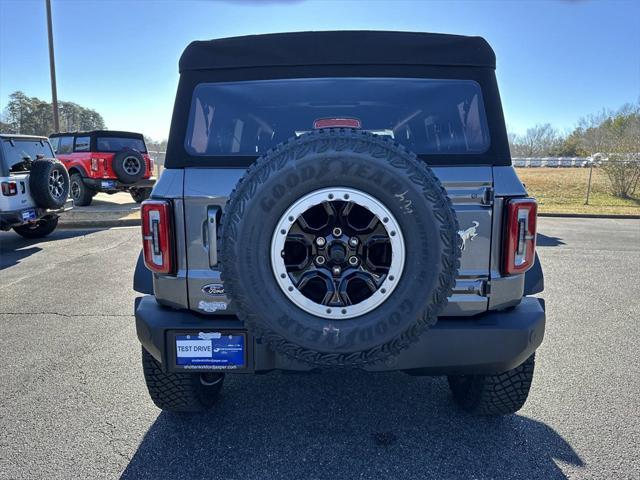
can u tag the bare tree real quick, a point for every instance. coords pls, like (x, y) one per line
(594, 136)
(616, 134)
(541, 140)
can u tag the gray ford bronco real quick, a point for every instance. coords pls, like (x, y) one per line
(339, 200)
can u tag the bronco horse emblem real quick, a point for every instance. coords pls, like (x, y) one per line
(468, 234)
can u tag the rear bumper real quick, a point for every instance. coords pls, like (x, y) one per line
(117, 185)
(487, 344)
(14, 217)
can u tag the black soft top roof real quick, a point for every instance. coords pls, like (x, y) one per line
(102, 133)
(359, 47)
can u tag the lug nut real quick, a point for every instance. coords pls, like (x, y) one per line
(337, 232)
(353, 261)
(336, 271)
(320, 241)
(320, 260)
(353, 241)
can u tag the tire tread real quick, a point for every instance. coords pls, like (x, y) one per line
(177, 392)
(500, 394)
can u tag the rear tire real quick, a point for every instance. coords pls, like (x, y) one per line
(139, 195)
(39, 229)
(501, 394)
(180, 392)
(79, 192)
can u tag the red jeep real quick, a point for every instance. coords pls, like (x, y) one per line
(105, 161)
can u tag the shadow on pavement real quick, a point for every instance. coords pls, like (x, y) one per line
(546, 241)
(345, 425)
(14, 248)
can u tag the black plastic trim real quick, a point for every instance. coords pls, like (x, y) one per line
(142, 277)
(96, 183)
(80, 169)
(534, 278)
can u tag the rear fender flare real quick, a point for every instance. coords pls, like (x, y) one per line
(534, 278)
(142, 277)
(78, 169)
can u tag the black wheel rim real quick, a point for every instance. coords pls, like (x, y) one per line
(340, 255)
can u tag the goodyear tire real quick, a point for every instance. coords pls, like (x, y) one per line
(49, 183)
(129, 165)
(337, 168)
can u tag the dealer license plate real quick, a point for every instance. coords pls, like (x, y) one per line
(28, 215)
(207, 350)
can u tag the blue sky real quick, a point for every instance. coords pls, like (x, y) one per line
(557, 60)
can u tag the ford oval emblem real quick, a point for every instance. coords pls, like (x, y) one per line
(213, 289)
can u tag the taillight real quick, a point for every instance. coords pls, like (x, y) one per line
(520, 236)
(96, 164)
(9, 189)
(157, 236)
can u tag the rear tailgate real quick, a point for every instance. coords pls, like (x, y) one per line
(206, 191)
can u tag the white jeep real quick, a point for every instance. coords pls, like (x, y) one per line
(35, 186)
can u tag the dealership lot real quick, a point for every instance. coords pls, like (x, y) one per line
(73, 402)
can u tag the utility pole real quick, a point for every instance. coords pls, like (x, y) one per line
(52, 67)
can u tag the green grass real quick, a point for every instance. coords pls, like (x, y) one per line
(563, 190)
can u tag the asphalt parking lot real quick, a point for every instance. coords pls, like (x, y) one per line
(73, 402)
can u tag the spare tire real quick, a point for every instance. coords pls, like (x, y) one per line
(380, 220)
(129, 165)
(48, 183)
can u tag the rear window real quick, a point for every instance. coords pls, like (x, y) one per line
(115, 144)
(16, 151)
(428, 116)
(64, 145)
(82, 144)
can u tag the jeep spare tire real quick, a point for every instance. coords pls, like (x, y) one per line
(129, 165)
(48, 183)
(339, 248)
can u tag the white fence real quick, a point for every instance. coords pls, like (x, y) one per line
(556, 162)
(158, 157)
